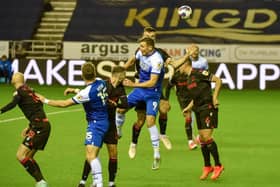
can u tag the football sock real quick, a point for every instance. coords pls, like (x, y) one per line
(162, 120)
(205, 154)
(86, 170)
(155, 140)
(135, 133)
(213, 149)
(112, 167)
(188, 127)
(82, 182)
(32, 168)
(38, 168)
(96, 172)
(120, 118)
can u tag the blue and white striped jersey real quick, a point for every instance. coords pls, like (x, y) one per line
(94, 99)
(152, 64)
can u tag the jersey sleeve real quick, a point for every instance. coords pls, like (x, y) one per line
(164, 54)
(157, 65)
(122, 98)
(82, 96)
(137, 54)
(12, 104)
(122, 102)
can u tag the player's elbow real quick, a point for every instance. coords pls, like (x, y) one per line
(152, 83)
(63, 105)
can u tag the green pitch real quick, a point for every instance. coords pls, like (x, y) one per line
(248, 140)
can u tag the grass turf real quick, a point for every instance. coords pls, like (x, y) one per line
(247, 139)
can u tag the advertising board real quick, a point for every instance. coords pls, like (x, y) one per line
(68, 73)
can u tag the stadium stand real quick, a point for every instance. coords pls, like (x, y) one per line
(19, 19)
(86, 20)
(47, 40)
(43, 38)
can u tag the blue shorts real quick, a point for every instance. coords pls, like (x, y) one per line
(96, 131)
(150, 97)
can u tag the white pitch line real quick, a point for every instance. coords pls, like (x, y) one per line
(48, 114)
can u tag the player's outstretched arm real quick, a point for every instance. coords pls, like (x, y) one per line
(218, 85)
(10, 105)
(57, 103)
(60, 103)
(71, 90)
(129, 62)
(147, 84)
(177, 63)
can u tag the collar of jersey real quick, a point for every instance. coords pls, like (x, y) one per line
(150, 54)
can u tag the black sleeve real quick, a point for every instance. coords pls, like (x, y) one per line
(122, 102)
(137, 68)
(11, 105)
(163, 54)
(122, 98)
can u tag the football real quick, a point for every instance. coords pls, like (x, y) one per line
(185, 12)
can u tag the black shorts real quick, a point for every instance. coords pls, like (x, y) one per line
(162, 96)
(141, 106)
(207, 119)
(37, 135)
(183, 102)
(111, 137)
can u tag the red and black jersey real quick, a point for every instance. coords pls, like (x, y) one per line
(116, 95)
(199, 86)
(116, 99)
(28, 102)
(179, 80)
